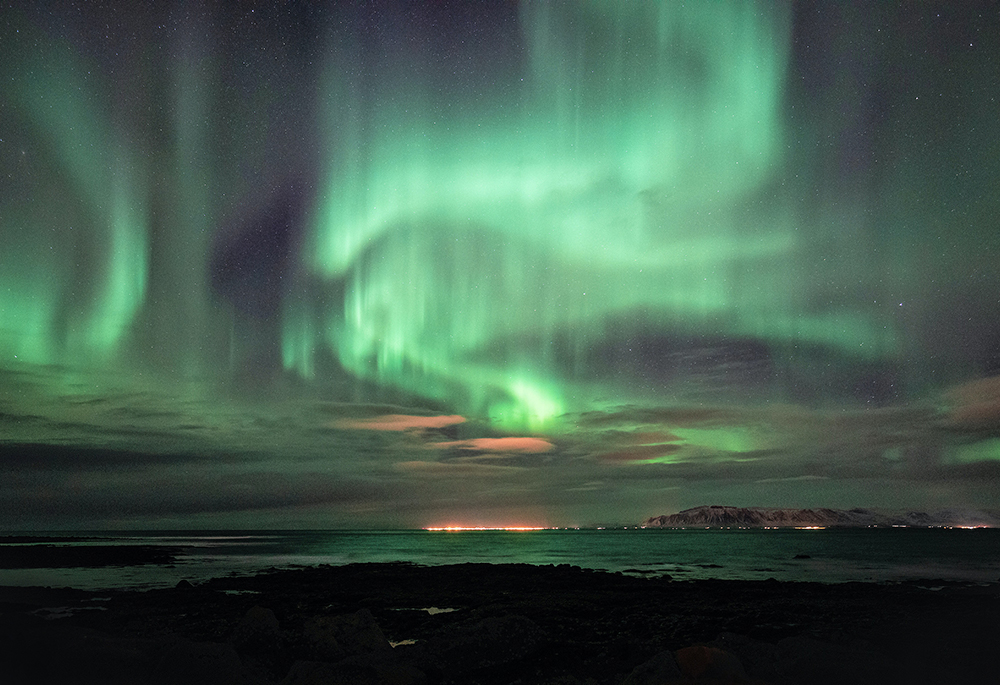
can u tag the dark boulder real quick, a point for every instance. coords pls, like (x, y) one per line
(199, 663)
(370, 669)
(704, 663)
(803, 659)
(757, 657)
(662, 668)
(493, 641)
(258, 629)
(333, 638)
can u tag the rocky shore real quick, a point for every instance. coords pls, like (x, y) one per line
(403, 624)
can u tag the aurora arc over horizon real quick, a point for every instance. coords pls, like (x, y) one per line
(622, 249)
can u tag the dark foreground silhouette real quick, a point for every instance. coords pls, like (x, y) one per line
(403, 624)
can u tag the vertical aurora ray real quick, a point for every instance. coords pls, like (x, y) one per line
(108, 225)
(124, 286)
(178, 307)
(75, 232)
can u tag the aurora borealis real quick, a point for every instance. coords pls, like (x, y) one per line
(548, 263)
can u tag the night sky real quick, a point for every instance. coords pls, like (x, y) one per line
(396, 263)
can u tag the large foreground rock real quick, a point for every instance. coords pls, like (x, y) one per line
(333, 638)
(661, 669)
(701, 662)
(35, 651)
(803, 659)
(490, 642)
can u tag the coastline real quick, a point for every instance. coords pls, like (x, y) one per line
(500, 623)
(146, 560)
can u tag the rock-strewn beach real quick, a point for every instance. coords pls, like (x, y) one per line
(478, 623)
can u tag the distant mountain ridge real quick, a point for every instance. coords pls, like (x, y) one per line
(716, 516)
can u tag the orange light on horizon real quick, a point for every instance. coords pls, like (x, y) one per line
(461, 528)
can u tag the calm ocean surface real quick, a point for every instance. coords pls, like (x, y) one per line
(828, 555)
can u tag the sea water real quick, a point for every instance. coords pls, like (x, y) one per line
(827, 555)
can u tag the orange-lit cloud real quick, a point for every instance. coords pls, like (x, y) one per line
(448, 469)
(524, 445)
(648, 438)
(639, 453)
(670, 416)
(399, 422)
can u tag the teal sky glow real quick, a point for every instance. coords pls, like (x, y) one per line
(548, 263)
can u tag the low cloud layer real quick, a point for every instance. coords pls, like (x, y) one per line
(163, 462)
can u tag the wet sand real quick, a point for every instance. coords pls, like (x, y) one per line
(494, 624)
